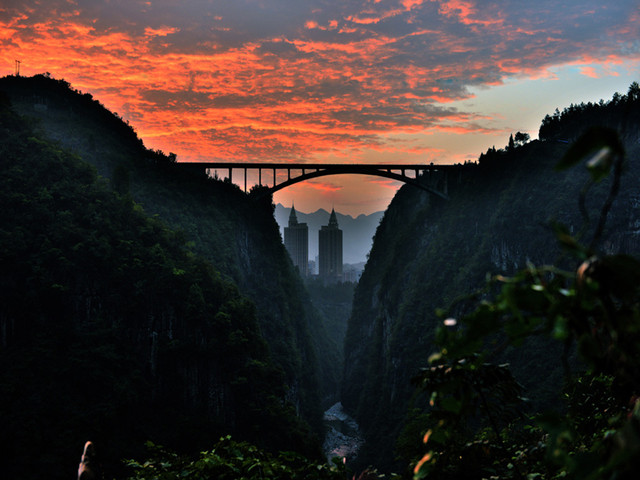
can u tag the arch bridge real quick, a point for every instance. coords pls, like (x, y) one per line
(432, 178)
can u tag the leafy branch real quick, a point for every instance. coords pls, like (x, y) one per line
(596, 307)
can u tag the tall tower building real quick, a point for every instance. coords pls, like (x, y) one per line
(296, 241)
(330, 250)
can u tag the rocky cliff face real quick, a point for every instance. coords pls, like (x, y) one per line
(428, 252)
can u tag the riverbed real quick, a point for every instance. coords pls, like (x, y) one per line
(343, 437)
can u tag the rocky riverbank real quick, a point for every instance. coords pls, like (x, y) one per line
(343, 438)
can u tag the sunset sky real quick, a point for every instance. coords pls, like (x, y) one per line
(393, 81)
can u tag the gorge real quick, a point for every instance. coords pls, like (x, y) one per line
(135, 295)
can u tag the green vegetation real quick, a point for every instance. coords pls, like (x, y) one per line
(619, 112)
(235, 234)
(475, 428)
(229, 459)
(334, 302)
(115, 329)
(232, 460)
(429, 253)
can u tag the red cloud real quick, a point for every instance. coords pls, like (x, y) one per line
(323, 187)
(467, 12)
(337, 83)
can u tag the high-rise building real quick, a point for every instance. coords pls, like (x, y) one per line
(296, 240)
(330, 250)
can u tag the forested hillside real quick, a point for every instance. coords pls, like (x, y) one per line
(240, 239)
(141, 304)
(428, 253)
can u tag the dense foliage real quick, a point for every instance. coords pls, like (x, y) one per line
(618, 112)
(237, 235)
(232, 460)
(475, 428)
(112, 329)
(334, 301)
(428, 253)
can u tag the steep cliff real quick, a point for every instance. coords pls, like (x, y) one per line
(428, 252)
(115, 326)
(239, 237)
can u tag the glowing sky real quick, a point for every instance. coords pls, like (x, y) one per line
(406, 81)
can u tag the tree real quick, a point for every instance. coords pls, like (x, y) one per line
(521, 138)
(634, 92)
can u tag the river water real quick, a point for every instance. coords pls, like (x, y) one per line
(343, 438)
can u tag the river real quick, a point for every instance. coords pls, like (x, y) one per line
(343, 434)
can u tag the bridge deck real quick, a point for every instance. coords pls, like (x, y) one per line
(315, 166)
(309, 171)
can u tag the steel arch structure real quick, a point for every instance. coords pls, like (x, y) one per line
(431, 178)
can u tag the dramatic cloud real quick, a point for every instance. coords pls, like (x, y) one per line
(296, 80)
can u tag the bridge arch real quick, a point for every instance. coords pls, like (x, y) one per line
(431, 178)
(379, 173)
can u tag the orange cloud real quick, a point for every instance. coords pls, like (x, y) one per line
(324, 187)
(589, 72)
(409, 4)
(163, 31)
(385, 182)
(466, 12)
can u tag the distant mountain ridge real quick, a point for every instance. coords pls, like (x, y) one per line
(357, 237)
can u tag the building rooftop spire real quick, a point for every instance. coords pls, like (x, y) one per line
(330, 250)
(293, 219)
(333, 220)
